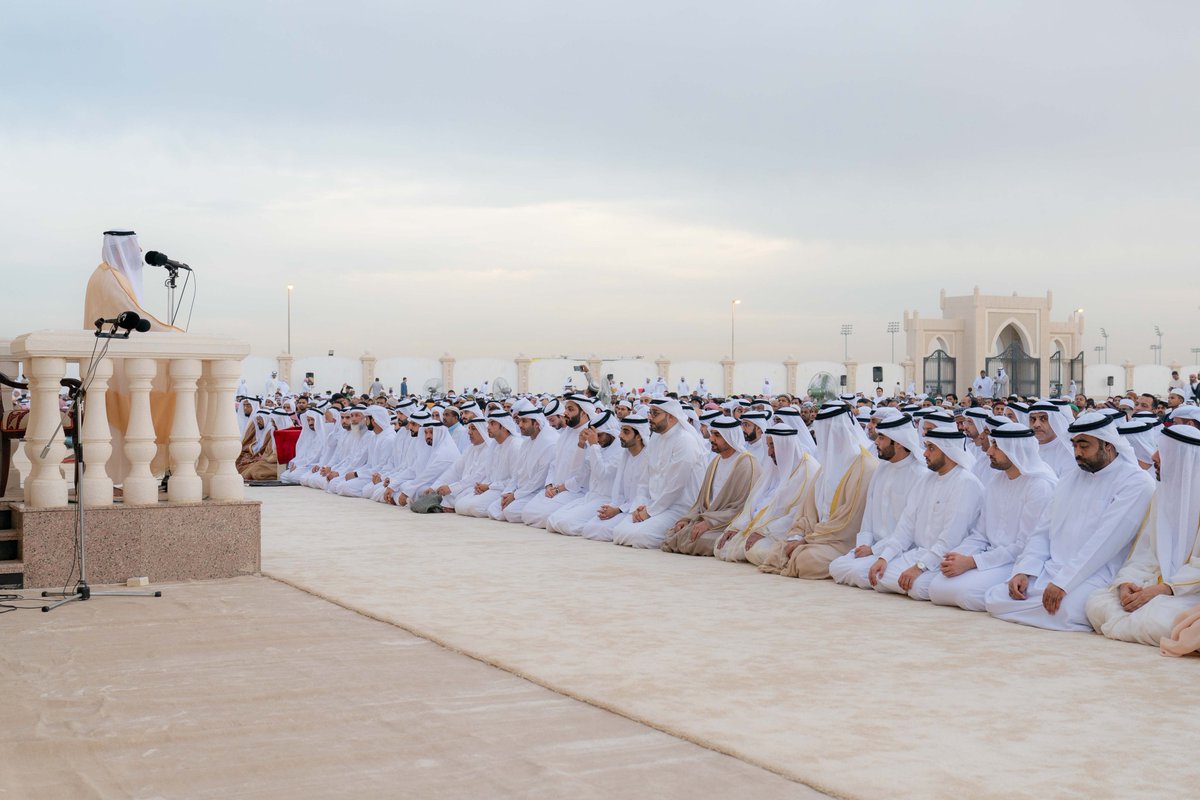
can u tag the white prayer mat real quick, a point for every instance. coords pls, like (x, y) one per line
(852, 692)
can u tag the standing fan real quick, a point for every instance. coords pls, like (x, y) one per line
(431, 387)
(501, 388)
(822, 387)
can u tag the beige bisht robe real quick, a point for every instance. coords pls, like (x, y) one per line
(825, 541)
(717, 511)
(260, 465)
(108, 294)
(773, 521)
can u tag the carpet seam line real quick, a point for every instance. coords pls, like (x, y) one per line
(545, 685)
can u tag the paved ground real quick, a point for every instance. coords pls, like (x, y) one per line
(248, 688)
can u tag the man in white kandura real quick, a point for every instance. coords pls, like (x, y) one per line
(502, 466)
(1083, 538)
(566, 476)
(1016, 495)
(623, 491)
(601, 462)
(901, 470)
(382, 438)
(671, 479)
(469, 469)
(443, 452)
(1049, 424)
(353, 453)
(936, 518)
(537, 454)
(1161, 579)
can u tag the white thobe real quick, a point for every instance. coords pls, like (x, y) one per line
(404, 453)
(470, 468)
(936, 518)
(1059, 457)
(758, 449)
(891, 486)
(567, 470)
(1078, 545)
(441, 457)
(626, 484)
(379, 452)
(353, 456)
(1012, 509)
(594, 489)
(501, 467)
(333, 443)
(1154, 620)
(528, 478)
(671, 482)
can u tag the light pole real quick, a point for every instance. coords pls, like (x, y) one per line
(893, 329)
(1157, 348)
(846, 331)
(1104, 335)
(1196, 354)
(289, 343)
(1158, 333)
(733, 329)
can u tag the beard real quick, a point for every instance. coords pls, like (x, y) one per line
(1093, 464)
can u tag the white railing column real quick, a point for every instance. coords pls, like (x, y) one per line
(185, 485)
(140, 487)
(202, 421)
(222, 433)
(96, 436)
(46, 487)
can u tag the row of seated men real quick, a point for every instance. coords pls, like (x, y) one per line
(966, 513)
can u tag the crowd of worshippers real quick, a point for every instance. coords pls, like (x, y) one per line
(1039, 512)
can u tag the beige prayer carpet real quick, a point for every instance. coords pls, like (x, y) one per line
(248, 688)
(854, 693)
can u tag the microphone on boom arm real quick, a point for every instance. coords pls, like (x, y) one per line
(127, 321)
(157, 259)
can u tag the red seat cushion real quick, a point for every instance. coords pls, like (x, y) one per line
(16, 421)
(285, 444)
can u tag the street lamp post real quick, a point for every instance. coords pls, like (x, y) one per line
(289, 341)
(1104, 335)
(846, 331)
(1158, 333)
(733, 329)
(1196, 354)
(893, 329)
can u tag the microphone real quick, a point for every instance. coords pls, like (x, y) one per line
(157, 259)
(126, 320)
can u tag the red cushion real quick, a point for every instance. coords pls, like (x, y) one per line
(285, 444)
(16, 421)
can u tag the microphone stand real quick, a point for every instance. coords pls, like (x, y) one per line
(77, 393)
(172, 276)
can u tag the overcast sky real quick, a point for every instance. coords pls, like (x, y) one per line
(556, 177)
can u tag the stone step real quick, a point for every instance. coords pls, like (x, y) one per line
(10, 545)
(12, 574)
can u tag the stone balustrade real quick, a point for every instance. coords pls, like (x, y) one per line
(197, 374)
